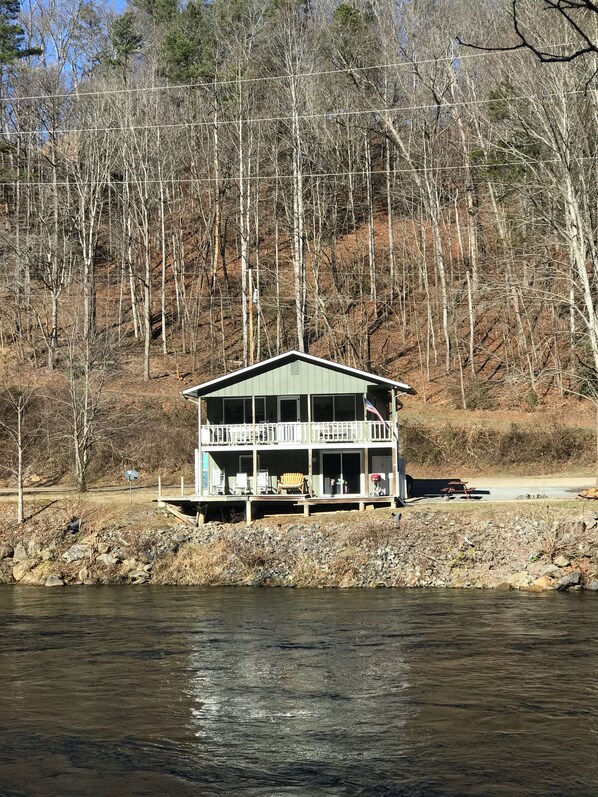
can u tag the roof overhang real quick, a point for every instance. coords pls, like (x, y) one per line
(206, 388)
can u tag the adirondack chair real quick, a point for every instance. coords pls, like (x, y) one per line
(291, 482)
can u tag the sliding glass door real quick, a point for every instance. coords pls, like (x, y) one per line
(341, 473)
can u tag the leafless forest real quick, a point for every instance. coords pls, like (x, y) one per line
(187, 188)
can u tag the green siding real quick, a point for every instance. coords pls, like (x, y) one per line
(294, 379)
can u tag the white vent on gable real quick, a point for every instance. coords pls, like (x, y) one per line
(295, 368)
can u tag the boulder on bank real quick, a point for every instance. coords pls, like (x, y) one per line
(23, 567)
(570, 580)
(520, 580)
(542, 584)
(20, 554)
(562, 561)
(77, 553)
(108, 559)
(551, 571)
(6, 551)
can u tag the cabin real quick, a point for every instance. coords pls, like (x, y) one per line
(298, 429)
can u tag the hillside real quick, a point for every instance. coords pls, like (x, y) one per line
(189, 187)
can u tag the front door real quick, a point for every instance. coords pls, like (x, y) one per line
(341, 473)
(289, 416)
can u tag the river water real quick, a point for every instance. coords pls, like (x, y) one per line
(265, 692)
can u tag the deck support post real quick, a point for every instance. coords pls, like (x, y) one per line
(361, 506)
(396, 486)
(201, 515)
(199, 469)
(310, 466)
(254, 437)
(306, 509)
(248, 512)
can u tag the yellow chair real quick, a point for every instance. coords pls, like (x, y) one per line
(291, 482)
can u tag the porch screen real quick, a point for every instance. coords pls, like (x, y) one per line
(238, 410)
(334, 408)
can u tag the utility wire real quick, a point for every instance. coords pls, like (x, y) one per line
(330, 115)
(77, 95)
(73, 184)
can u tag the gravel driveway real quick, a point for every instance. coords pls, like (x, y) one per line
(506, 489)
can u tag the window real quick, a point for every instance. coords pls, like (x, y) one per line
(344, 408)
(334, 408)
(238, 410)
(246, 464)
(323, 408)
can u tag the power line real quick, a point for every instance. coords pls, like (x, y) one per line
(306, 175)
(293, 75)
(329, 115)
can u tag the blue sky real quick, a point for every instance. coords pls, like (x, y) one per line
(119, 5)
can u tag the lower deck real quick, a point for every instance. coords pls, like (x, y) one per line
(197, 509)
(322, 473)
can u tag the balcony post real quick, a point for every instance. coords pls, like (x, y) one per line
(394, 444)
(254, 439)
(199, 469)
(310, 467)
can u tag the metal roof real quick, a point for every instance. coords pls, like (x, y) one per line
(280, 359)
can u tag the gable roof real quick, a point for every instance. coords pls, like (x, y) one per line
(282, 359)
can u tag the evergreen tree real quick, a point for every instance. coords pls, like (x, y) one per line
(11, 34)
(189, 48)
(125, 41)
(160, 11)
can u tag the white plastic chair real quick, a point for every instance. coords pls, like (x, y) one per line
(263, 482)
(241, 484)
(217, 485)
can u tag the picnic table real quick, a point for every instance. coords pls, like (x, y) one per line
(457, 487)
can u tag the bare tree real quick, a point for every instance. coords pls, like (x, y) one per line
(20, 423)
(579, 26)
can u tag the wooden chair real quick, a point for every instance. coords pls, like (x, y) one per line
(291, 482)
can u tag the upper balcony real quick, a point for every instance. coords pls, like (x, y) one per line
(295, 434)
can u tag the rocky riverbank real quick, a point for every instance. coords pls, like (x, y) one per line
(526, 548)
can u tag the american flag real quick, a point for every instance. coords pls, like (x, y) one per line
(369, 407)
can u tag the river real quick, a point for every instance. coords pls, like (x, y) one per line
(264, 692)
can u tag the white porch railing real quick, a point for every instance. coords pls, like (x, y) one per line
(296, 434)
